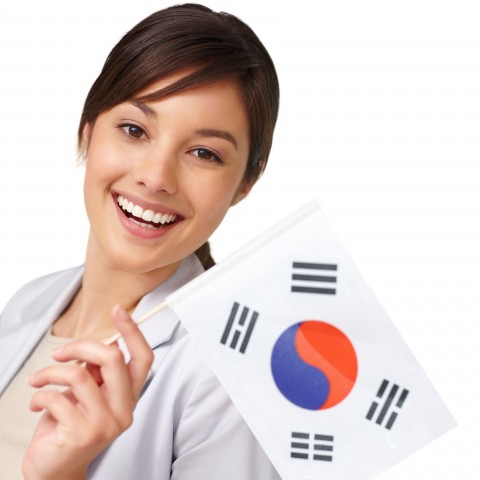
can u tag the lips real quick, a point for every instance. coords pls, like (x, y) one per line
(146, 218)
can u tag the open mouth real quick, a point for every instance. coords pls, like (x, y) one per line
(146, 218)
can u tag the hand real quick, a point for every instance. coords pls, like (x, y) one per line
(97, 406)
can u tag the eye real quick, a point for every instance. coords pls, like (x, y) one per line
(133, 131)
(206, 154)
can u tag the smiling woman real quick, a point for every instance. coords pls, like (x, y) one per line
(185, 157)
(175, 130)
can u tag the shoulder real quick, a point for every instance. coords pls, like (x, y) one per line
(46, 282)
(41, 291)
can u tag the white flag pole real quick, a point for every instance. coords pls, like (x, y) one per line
(138, 321)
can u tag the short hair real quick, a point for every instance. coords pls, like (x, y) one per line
(214, 46)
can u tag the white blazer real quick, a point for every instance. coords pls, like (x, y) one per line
(185, 426)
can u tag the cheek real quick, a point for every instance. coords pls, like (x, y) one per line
(103, 164)
(91, 190)
(214, 200)
(100, 171)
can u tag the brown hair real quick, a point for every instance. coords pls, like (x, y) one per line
(213, 46)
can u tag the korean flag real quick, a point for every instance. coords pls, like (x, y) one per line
(309, 357)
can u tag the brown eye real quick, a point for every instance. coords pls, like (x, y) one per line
(135, 132)
(206, 154)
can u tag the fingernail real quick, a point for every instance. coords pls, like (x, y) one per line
(56, 350)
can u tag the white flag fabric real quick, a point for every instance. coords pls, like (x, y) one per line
(309, 357)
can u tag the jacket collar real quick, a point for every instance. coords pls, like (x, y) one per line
(160, 327)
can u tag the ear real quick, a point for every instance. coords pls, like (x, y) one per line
(242, 192)
(83, 143)
(86, 135)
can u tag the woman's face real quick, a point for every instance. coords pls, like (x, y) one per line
(160, 176)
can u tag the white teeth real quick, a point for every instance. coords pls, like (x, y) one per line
(137, 211)
(146, 215)
(144, 225)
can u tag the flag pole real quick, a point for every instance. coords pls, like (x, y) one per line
(138, 321)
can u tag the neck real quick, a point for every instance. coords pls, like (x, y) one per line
(104, 285)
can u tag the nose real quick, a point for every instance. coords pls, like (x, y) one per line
(156, 171)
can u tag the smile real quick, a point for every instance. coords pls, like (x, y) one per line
(144, 218)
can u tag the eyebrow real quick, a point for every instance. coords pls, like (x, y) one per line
(203, 132)
(148, 111)
(210, 132)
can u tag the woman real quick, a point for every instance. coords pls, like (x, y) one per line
(175, 130)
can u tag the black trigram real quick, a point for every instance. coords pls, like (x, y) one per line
(393, 400)
(317, 278)
(239, 328)
(313, 447)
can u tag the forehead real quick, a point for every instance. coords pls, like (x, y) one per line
(219, 101)
(187, 79)
(182, 82)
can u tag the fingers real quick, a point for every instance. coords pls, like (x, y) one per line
(120, 383)
(101, 391)
(107, 387)
(141, 356)
(87, 397)
(106, 378)
(58, 406)
(74, 427)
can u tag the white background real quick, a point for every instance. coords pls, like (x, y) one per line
(379, 121)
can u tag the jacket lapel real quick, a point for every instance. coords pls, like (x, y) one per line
(28, 316)
(159, 328)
